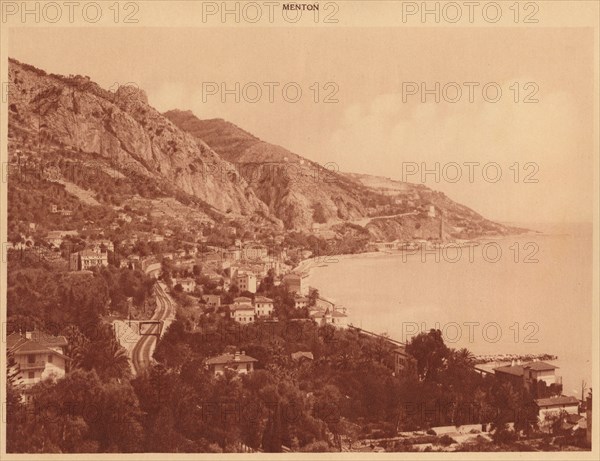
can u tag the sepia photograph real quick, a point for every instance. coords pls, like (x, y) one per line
(334, 228)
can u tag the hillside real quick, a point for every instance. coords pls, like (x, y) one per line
(106, 150)
(53, 117)
(340, 196)
(296, 190)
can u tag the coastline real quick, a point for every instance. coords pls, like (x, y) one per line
(305, 266)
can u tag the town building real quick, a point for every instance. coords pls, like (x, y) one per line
(212, 300)
(38, 356)
(537, 376)
(87, 259)
(263, 306)
(403, 362)
(232, 254)
(56, 238)
(556, 405)
(61, 211)
(238, 362)
(242, 300)
(242, 313)
(246, 281)
(301, 302)
(334, 316)
(187, 284)
(103, 245)
(255, 252)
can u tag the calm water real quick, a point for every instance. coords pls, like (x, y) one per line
(487, 302)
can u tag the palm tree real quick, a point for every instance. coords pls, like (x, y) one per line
(116, 365)
(109, 359)
(463, 358)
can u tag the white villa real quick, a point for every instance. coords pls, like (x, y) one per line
(263, 306)
(38, 356)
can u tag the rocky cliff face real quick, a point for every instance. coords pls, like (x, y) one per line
(229, 172)
(121, 126)
(296, 190)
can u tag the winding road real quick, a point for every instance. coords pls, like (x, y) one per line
(141, 355)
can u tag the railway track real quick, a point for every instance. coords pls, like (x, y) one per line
(141, 353)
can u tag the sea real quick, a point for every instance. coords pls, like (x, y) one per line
(520, 294)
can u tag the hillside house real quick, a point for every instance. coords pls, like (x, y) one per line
(102, 245)
(255, 252)
(242, 300)
(403, 362)
(330, 316)
(556, 405)
(246, 281)
(38, 356)
(212, 300)
(538, 376)
(301, 302)
(263, 306)
(56, 238)
(238, 362)
(187, 284)
(242, 313)
(87, 259)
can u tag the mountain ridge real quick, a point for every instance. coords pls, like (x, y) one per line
(214, 165)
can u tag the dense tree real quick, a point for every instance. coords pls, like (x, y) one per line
(430, 352)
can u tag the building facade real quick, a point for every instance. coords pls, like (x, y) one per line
(38, 356)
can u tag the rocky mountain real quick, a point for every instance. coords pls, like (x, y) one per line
(296, 190)
(425, 214)
(211, 168)
(301, 192)
(122, 128)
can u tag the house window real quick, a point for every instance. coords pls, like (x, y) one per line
(50, 359)
(31, 375)
(31, 358)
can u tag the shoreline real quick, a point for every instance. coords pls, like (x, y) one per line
(305, 266)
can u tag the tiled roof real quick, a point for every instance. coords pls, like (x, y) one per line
(38, 337)
(539, 366)
(242, 299)
(18, 344)
(516, 370)
(230, 358)
(241, 307)
(300, 354)
(557, 401)
(401, 351)
(262, 299)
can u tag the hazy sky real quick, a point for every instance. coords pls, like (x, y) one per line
(371, 129)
